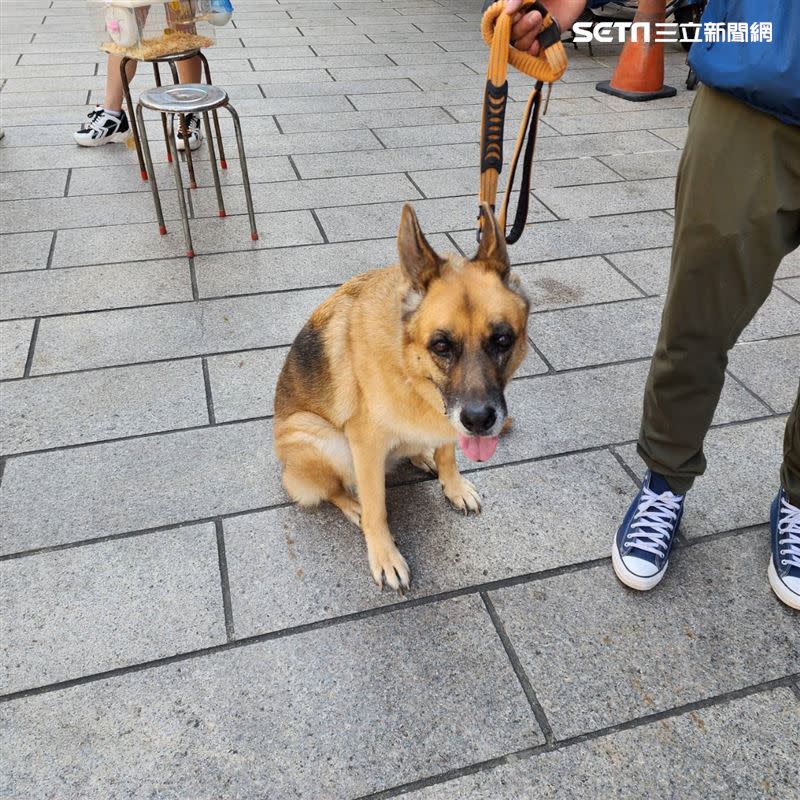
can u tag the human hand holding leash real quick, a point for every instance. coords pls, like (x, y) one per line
(526, 27)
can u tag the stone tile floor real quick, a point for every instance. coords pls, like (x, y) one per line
(172, 628)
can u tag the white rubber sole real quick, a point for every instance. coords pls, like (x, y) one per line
(115, 138)
(629, 579)
(181, 144)
(781, 591)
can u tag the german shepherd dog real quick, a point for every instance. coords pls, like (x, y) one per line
(401, 362)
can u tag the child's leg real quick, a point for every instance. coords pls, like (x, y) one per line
(114, 95)
(189, 70)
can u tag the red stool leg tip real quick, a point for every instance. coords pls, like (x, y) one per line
(144, 174)
(169, 158)
(254, 237)
(162, 230)
(190, 254)
(223, 164)
(222, 213)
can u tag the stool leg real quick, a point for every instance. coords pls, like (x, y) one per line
(222, 162)
(126, 90)
(176, 168)
(149, 161)
(237, 126)
(187, 152)
(213, 159)
(157, 74)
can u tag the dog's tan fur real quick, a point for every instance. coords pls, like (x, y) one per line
(361, 385)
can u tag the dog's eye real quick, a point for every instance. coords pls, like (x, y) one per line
(442, 347)
(503, 341)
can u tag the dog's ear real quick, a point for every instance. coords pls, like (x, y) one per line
(492, 249)
(418, 259)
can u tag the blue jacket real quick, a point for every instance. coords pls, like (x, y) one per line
(766, 75)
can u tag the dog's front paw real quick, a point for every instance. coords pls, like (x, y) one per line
(386, 564)
(463, 496)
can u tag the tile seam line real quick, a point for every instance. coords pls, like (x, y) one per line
(317, 625)
(521, 674)
(600, 733)
(213, 424)
(311, 244)
(650, 211)
(270, 292)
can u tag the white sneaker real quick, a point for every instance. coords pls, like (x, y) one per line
(195, 133)
(103, 128)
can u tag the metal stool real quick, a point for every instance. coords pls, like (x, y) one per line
(191, 98)
(171, 61)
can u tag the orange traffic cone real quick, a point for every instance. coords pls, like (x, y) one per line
(640, 71)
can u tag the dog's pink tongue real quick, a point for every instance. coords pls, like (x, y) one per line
(478, 448)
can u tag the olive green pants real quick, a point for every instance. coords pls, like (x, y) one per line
(737, 214)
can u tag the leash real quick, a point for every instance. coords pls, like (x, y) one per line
(545, 68)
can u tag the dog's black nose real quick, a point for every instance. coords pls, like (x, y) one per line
(478, 418)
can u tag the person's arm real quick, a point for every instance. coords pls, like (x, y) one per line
(526, 27)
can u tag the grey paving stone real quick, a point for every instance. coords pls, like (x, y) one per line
(88, 609)
(59, 291)
(243, 384)
(769, 368)
(578, 202)
(648, 269)
(791, 286)
(579, 281)
(633, 120)
(361, 87)
(676, 136)
(320, 193)
(381, 219)
(383, 161)
(779, 316)
(462, 180)
(354, 59)
(719, 749)
(350, 120)
(727, 631)
(741, 481)
(548, 241)
(639, 166)
(14, 158)
(559, 413)
(790, 266)
(63, 410)
(413, 99)
(115, 179)
(330, 707)
(585, 336)
(81, 212)
(127, 336)
(291, 566)
(297, 267)
(121, 243)
(25, 185)
(24, 250)
(83, 493)
(15, 339)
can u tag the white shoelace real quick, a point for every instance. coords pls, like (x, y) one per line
(789, 524)
(657, 512)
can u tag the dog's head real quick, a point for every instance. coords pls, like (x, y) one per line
(464, 327)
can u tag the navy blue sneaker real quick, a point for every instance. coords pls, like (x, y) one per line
(644, 540)
(784, 566)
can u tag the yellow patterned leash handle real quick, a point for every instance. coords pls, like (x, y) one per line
(545, 68)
